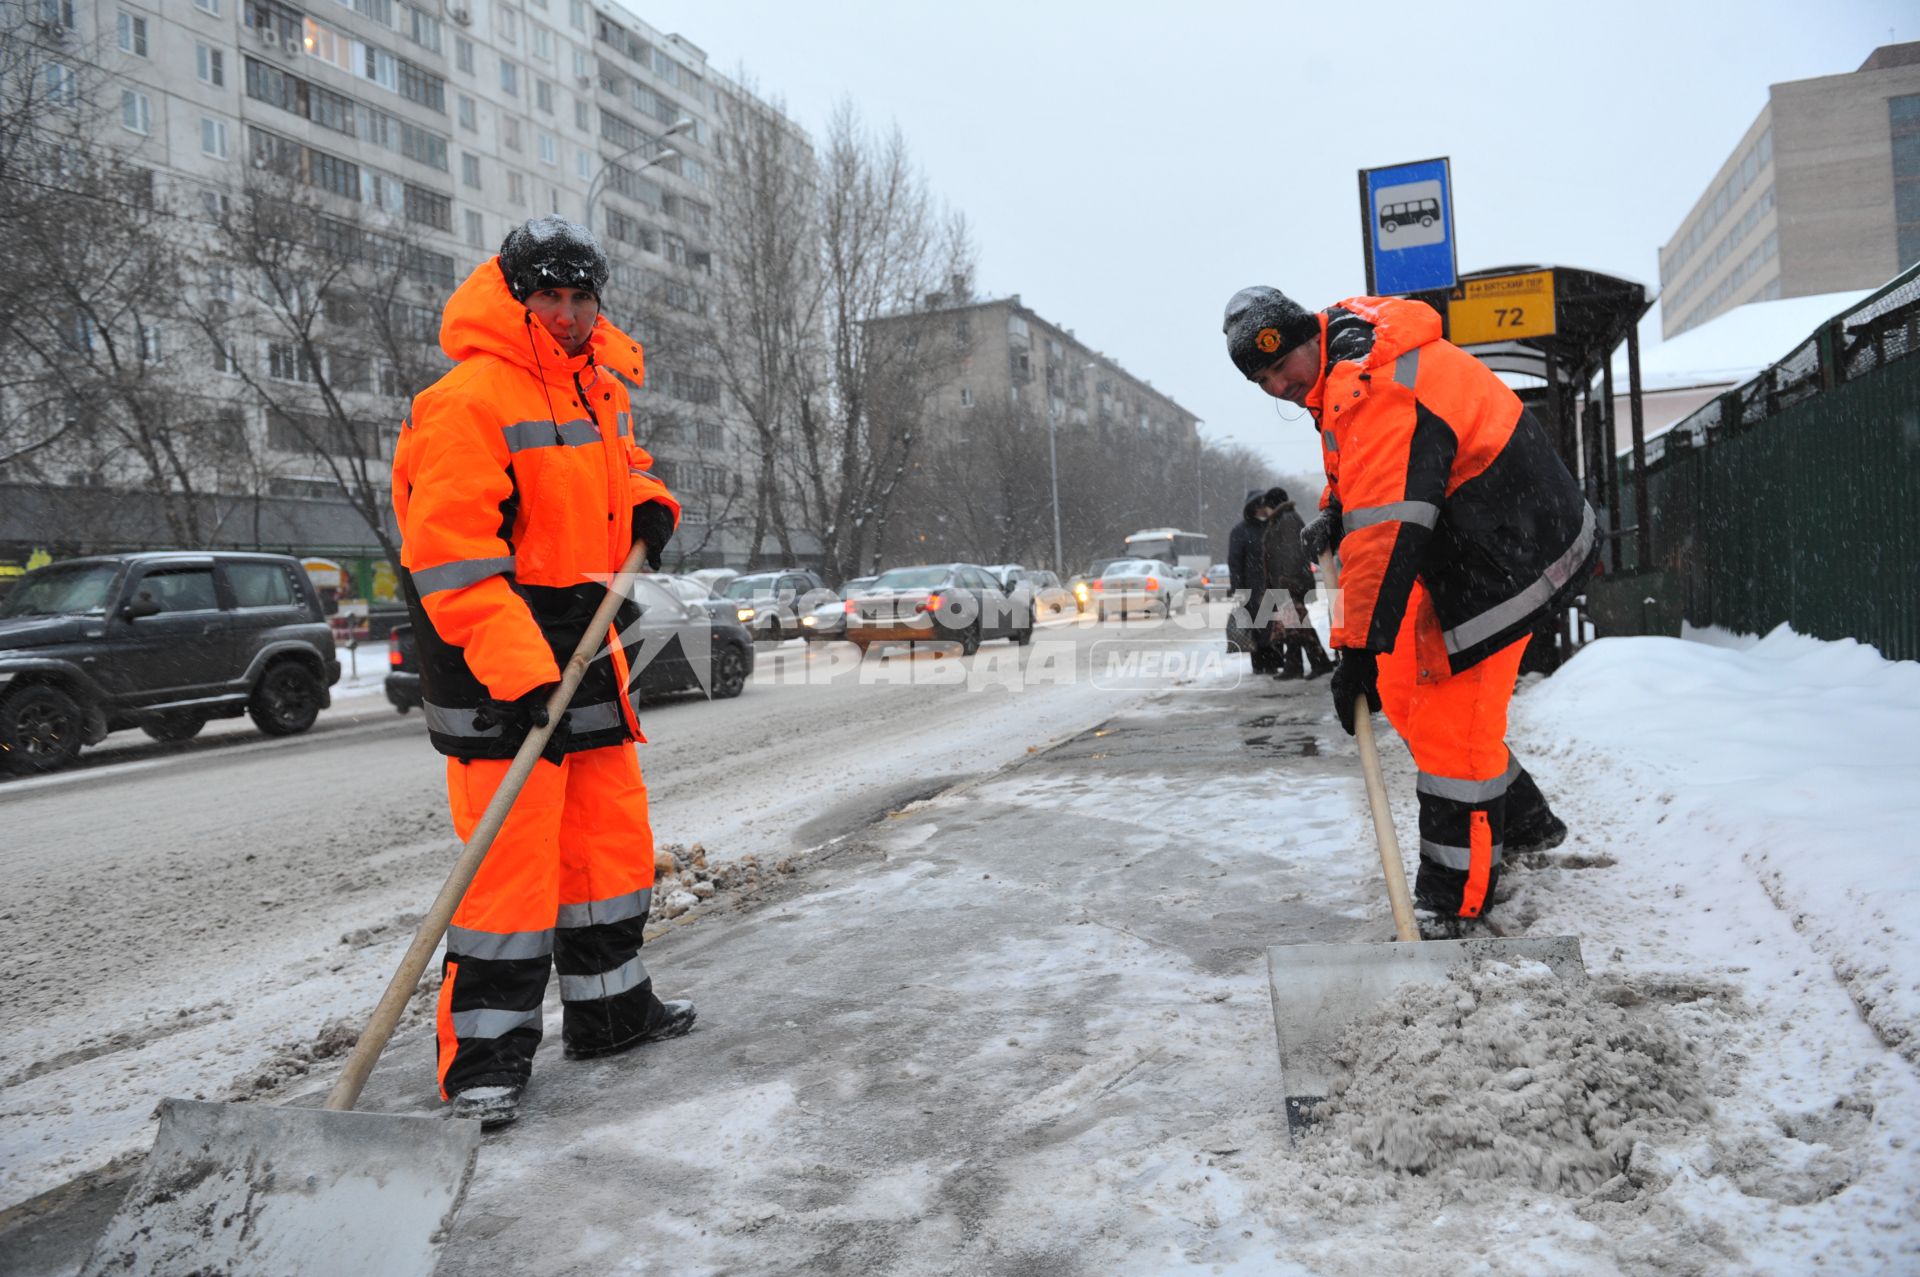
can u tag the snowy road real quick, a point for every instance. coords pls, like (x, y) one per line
(187, 920)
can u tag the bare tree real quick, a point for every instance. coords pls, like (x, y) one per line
(348, 306)
(765, 335)
(885, 245)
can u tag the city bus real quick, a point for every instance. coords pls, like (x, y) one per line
(1171, 546)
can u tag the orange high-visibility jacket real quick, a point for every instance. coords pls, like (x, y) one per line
(1441, 475)
(514, 483)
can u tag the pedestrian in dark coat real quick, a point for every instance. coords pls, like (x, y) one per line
(1247, 576)
(1290, 580)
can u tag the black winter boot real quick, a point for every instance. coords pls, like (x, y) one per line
(1531, 824)
(492, 1106)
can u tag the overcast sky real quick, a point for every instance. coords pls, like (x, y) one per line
(1126, 170)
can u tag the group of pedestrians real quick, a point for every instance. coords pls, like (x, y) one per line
(1271, 576)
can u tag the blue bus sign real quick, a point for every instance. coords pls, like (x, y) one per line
(1406, 223)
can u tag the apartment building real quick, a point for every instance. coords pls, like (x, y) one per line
(1821, 195)
(1017, 357)
(447, 121)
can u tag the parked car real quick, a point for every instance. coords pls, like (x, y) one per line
(828, 620)
(770, 604)
(159, 641)
(686, 644)
(943, 602)
(1218, 581)
(1138, 585)
(692, 592)
(1193, 585)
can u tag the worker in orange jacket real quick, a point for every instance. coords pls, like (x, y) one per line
(519, 490)
(1458, 528)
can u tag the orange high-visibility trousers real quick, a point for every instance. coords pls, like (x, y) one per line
(567, 884)
(1456, 727)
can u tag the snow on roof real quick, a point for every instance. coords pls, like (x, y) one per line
(1732, 348)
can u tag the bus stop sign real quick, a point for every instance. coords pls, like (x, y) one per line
(1406, 223)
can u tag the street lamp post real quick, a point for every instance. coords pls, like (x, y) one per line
(1053, 471)
(665, 153)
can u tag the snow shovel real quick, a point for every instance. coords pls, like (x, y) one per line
(299, 1192)
(1321, 989)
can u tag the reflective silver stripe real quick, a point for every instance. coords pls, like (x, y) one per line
(623, 423)
(1529, 600)
(1407, 368)
(1468, 791)
(459, 573)
(1332, 444)
(613, 909)
(1453, 857)
(490, 1022)
(453, 722)
(595, 717)
(1424, 513)
(498, 946)
(525, 435)
(585, 988)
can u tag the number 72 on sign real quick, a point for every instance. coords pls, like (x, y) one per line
(1501, 308)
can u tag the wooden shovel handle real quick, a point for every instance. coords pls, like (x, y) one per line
(1397, 895)
(373, 1039)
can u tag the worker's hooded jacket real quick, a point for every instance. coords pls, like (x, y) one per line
(1441, 474)
(514, 483)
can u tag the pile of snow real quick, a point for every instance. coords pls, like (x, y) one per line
(1790, 762)
(1509, 1073)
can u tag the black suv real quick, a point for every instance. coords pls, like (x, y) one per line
(162, 642)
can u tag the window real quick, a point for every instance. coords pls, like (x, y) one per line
(425, 30)
(63, 85)
(476, 229)
(517, 189)
(190, 590)
(581, 119)
(577, 14)
(510, 133)
(208, 6)
(583, 166)
(149, 344)
(509, 24)
(136, 111)
(549, 154)
(542, 42)
(429, 208)
(463, 54)
(286, 363)
(1903, 119)
(133, 34)
(216, 205)
(543, 95)
(211, 65)
(260, 585)
(509, 77)
(213, 137)
(223, 360)
(470, 170)
(57, 14)
(469, 117)
(580, 68)
(966, 396)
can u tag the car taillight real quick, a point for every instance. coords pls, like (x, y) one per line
(1204, 581)
(850, 608)
(1099, 586)
(932, 604)
(1152, 584)
(394, 658)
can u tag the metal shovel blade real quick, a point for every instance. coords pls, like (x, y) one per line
(243, 1188)
(1321, 989)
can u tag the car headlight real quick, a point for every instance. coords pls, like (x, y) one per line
(743, 613)
(809, 620)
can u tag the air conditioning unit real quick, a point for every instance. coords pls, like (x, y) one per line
(460, 14)
(270, 37)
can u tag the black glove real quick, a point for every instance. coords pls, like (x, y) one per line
(517, 718)
(1357, 671)
(653, 523)
(1323, 534)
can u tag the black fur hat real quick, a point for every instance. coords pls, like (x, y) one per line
(1262, 325)
(551, 252)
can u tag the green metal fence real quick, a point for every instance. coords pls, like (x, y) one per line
(1796, 497)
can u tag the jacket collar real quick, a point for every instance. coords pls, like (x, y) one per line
(483, 318)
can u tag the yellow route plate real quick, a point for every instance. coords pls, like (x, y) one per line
(1503, 308)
